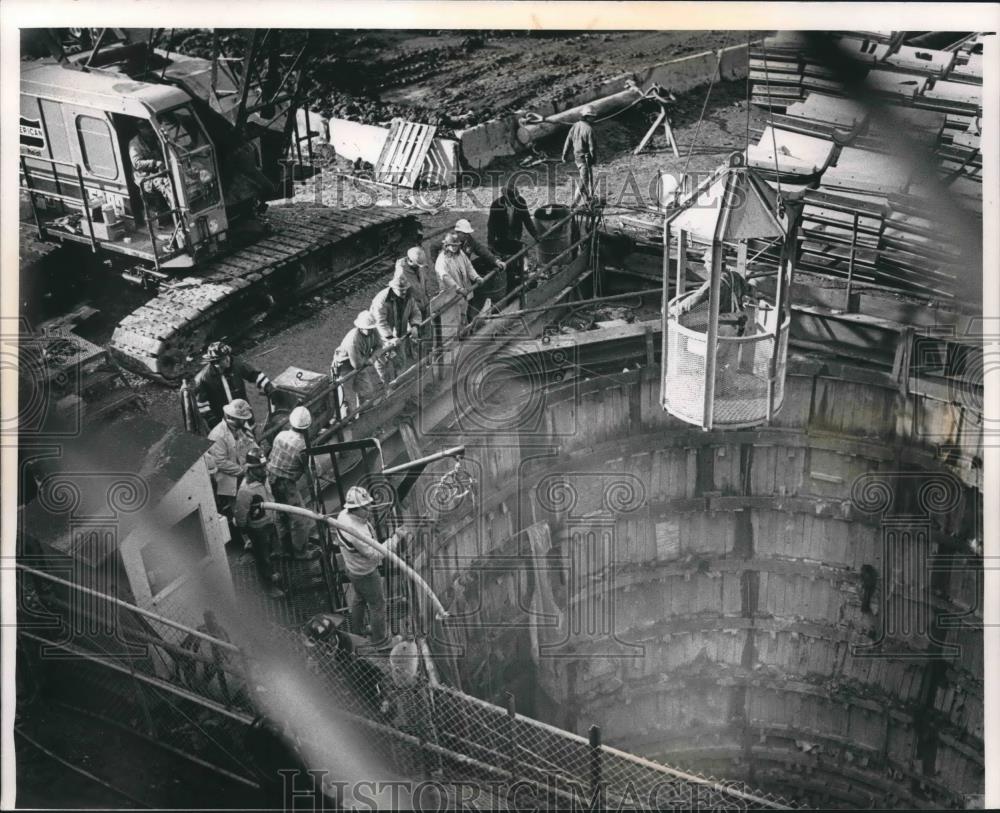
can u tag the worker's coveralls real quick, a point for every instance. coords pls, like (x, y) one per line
(214, 387)
(394, 314)
(457, 275)
(229, 452)
(479, 254)
(581, 139)
(146, 155)
(361, 563)
(259, 526)
(285, 467)
(422, 284)
(357, 353)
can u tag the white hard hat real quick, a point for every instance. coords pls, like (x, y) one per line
(464, 226)
(588, 112)
(399, 283)
(239, 409)
(416, 256)
(300, 418)
(365, 320)
(404, 663)
(357, 497)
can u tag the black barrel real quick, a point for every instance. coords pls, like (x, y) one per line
(561, 239)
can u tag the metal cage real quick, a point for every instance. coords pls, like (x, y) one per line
(749, 376)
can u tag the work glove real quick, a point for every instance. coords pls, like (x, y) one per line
(256, 511)
(269, 388)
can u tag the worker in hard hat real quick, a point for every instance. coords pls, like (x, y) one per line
(258, 524)
(360, 353)
(222, 379)
(455, 271)
(736, 293)
(509, 219)
(481, 256)
(581, 139)
(737, 310)
(231, 440)
(361, 562)
(286, 465)
(414, 268)
(394, 309)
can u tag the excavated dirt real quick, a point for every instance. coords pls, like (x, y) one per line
(458, 78)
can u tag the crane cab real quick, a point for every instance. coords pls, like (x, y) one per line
(80, 135)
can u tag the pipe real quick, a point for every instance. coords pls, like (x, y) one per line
(528, 132)
(371, 543)
(456, 451)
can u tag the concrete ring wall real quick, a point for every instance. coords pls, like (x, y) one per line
(710, 587)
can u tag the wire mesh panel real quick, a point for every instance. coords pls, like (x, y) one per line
(684, 390)
(199, 695)
(744, 356)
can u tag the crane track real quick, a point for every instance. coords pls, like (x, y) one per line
(305, 247)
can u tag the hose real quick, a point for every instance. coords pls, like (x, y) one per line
(365, 540)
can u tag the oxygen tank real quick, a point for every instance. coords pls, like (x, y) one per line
(189, 412)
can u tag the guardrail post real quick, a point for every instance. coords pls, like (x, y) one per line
(511, 744)
(595, 761)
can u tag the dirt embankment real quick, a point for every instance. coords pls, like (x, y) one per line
(459, 78)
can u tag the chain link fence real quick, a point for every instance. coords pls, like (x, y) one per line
(197, 694)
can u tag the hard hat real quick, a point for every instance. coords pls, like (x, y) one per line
(256, 459)
(365, 320)
(357, 497)
(452, 239)
(217, 350)
(239, 409)
(588, 112)
(300, 418)
(404, 663)
(399, 283)
(416, 256)
(464, 226)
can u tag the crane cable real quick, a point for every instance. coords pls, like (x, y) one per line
(770, 118)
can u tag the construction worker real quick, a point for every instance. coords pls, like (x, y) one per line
(581, 139)
(509, 218)
(285, 467)
(455, 271)
(735, 293)
(258, 524)
(737, 300)
(231, 441)
(361, 562)
(481, 256)
(359, 353)
(396, 317)
(221, 380)
(414, 267)
(148, 168)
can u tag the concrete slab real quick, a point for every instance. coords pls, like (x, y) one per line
(353, 140)
(484, 142)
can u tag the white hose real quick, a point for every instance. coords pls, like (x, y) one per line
(371, 543)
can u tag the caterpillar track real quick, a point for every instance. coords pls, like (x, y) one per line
(303, 247)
